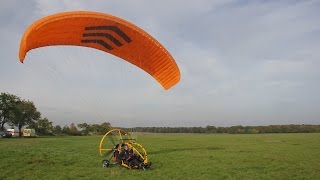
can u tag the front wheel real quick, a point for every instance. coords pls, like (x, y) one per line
(105, 163)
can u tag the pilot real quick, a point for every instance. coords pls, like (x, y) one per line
(129, 157)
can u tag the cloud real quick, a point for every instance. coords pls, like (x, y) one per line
(241, 62)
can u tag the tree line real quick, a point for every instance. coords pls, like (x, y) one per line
(18, 112)
(21, 113)
(84, 129)
(292, 128)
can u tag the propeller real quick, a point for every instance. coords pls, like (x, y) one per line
(109, 153)
(112, 139)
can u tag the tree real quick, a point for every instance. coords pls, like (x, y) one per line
(66, 130)
(104, 127)
(7, 102)
(84, 128)
(94, 128)
(42, 126)
(73, 130)
(24, 113)
(211, 129)
(57, 130)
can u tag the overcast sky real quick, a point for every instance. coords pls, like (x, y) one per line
(241, 62)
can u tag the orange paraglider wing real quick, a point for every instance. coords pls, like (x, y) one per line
(107, 33)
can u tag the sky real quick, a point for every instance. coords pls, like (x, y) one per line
(241, 63)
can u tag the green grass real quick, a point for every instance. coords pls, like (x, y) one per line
(174, 156)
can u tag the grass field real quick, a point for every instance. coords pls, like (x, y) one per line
(174, 156)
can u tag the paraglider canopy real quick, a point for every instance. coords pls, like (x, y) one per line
(106, 33)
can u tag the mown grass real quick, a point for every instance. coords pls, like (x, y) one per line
(174, 156)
